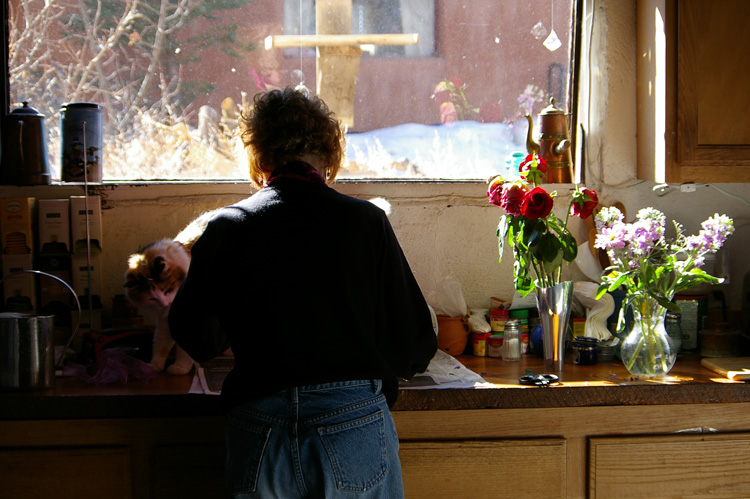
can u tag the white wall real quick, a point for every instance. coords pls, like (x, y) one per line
(449, 228)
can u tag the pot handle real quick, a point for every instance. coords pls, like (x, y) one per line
(78, 304)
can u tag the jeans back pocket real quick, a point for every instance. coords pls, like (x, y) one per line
(357, 451)
(246, 443)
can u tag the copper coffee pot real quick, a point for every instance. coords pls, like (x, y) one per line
(554, 143)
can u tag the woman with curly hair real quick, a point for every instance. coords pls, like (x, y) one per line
(319, 305)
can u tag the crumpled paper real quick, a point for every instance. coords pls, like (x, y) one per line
(597, 311)
(114, 366)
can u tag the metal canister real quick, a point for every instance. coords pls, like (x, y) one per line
(81, 142)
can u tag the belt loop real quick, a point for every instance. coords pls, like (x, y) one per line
(377, 385)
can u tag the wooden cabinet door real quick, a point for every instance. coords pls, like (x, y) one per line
(65, 473)
(484, 469)
(693, 98)
(672, 466)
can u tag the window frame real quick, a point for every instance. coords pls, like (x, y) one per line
(573, 99)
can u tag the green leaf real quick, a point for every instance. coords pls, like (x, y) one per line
(533, 229)
(502, 231)
(569, 246)
(618, 282)
(549, 252)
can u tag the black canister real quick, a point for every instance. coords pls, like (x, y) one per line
(586, 350)
(24, 158)
(81, 142)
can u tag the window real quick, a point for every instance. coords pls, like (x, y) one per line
(173, 76)
(372, 16)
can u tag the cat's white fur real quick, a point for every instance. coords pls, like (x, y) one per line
(170, 258)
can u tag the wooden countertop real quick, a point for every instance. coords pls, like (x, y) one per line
(603, 384)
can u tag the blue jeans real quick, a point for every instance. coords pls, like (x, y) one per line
(330, 440)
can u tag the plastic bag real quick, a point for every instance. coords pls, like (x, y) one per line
(450, 299)
(478, 322)
(114, 367)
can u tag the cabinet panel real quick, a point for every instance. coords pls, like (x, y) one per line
(484, 469)
(189, 471)
(62, 473)
(674, 466)
(713, 69)
(692, 91)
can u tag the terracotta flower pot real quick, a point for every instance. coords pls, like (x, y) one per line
(453, 334)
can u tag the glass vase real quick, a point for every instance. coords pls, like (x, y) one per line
(647, 350)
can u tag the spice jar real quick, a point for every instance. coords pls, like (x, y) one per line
(495, 346)
(498, 318)
(512, 341)
(479, 343)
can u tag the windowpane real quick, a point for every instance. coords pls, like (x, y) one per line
(173, 76)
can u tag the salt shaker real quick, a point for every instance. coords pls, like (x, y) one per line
(512, 341)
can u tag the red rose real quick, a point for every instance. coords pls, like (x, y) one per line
(495, 190)
(528, 163)
(536, 204)
(512, 197)
(457, 82)
(533, 169)
(489, 112)
(584, 202)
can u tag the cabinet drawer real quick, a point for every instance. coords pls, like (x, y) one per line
(685, 466)
(62, 473)
(484, 469)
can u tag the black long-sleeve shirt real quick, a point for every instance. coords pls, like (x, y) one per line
(310, 286)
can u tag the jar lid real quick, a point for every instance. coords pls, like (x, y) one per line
(585, 341)
(519, 312)
(512, 324)
(80, 105)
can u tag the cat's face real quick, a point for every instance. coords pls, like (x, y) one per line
(155, 273)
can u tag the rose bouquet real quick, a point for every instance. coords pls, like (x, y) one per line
(652, 269)
(540, 240)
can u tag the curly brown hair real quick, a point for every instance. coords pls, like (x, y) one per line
(283, 125)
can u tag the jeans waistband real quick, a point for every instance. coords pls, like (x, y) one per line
(376, 385)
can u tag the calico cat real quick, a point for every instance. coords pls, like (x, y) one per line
(153, 277)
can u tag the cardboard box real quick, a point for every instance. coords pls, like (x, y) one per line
(19, 291)
(54, 226)
(78, 222)
(54, 297)
(16, 225)
(80, 275)
(53, 293)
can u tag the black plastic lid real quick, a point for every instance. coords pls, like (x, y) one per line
(80, 105)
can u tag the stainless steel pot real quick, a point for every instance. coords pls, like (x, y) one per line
(27, 355)
(27, 352)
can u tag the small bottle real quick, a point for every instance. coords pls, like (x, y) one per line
(512, 341)
(674, 330)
